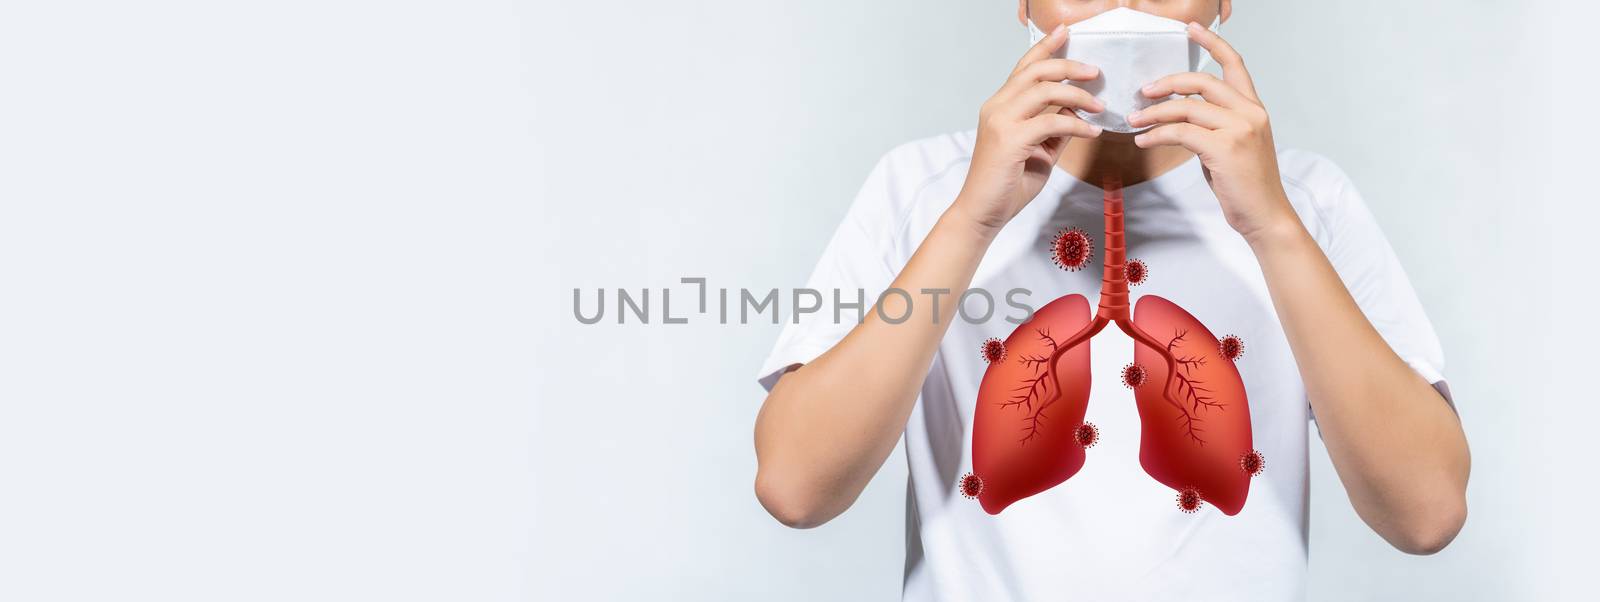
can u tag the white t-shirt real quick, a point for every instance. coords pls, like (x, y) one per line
(1111, 532)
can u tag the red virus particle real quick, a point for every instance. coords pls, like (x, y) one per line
(971, 486)
(1086, 435)
(1252, 463)
(1135, 271)
(1071, 249)
(993, 351)
(1133, 375)
(1189, 500)
(1231, 347)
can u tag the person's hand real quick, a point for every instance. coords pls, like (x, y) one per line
(1021, 133)
(1227, 127)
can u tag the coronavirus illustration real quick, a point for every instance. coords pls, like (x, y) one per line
(971, 486)
(1086, 435)
(1189, 500)
(994, 350)
(1029, 433)
(1252, 463)
(1072, 249)
(1231, 347)
(1133, 375)
(1135, 272)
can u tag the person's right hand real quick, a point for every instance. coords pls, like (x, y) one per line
(1021, 133)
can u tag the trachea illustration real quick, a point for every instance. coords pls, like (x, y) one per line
(1029, 433)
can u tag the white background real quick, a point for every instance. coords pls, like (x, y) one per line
(286, 288)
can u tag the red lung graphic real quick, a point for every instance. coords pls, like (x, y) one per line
(1028, 429)
(1203, 442)
(1027, 414)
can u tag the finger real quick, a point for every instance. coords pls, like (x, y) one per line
(1055, 70)
(1204, 84)
(1058, 125)
(1186, 135)
(1047, 94)
(1049, 70)
(1051, 43)
(1186, 110)
(1233, 71)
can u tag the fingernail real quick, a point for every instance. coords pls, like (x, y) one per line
(1149, 88)
(1138, 140)
(1098, 130)
(1132, 117)
(1060, 28)
(1193, 26)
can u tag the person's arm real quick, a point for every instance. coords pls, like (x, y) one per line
(827, 426)
(1397, 445)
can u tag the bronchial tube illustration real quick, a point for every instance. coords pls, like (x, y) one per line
(1029, 433)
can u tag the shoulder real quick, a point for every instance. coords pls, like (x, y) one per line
(915, 178)
(1312, 174)
(916, 164)
(1319, 189)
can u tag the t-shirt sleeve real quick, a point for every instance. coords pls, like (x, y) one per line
(854, 268)
(1365, 261)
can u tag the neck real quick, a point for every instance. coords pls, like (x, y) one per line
(1111, 162)
(1114, 155)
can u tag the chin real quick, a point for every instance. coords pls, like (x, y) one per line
(1118, 137)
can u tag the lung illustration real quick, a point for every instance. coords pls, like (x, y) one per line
(1031, 401)
(1029, 433)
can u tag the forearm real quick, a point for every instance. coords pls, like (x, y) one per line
(1397, 446)
(827, 427)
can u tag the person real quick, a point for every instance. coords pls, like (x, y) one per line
(1275, 245)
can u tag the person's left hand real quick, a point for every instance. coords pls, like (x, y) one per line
(1228, 128)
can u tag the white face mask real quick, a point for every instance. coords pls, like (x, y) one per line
(1132, 49)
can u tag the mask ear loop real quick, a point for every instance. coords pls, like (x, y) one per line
(1033, 28)
(1035, 35)
(1205, 57)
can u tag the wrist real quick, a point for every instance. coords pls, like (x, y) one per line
(958, 218)
(1276, 235)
